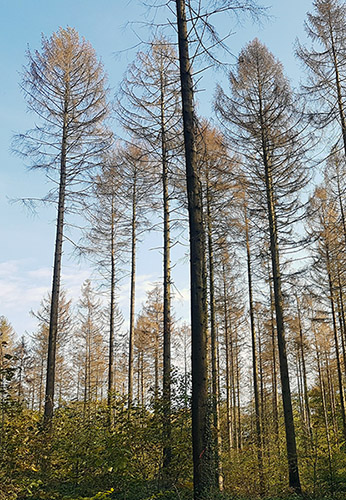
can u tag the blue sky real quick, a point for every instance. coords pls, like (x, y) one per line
(26, 250)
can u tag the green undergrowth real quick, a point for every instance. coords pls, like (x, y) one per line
(83, 459)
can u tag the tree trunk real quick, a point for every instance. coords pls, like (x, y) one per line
(201, 455)
(132, 291)
(291, 447)
(254, 361)
(110, 394)
(167, 445)
(53, 322)
(214, 346)
(304, 374)
(227, 345)
(336, 345)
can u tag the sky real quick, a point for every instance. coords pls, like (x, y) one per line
(114, 28)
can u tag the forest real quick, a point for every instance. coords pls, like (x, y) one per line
(245, 398)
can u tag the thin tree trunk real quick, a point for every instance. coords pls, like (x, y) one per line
(336, 345)
(142, 379)
(156, 367)
(214, 345)
(274, 372)
(254, 361)
(291, 446)
(331, 391)
(304, 374)
(325, 414)
(110, 393)
(227, 344)
(167, 447)
(261, 384)
(53, 321)
(132, 291)
(201, 455)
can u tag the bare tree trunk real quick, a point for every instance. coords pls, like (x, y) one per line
(110, 393)
(201, 455)
(336, 345)
(331, 392)
(132, 291)
(233, 389)
(227, 345)
(274, 372)
(325, 414)
(156, 367)
(40, 387)
(254, 361)
(261, 387)
(291, 446)
(53, 321)
(167, 448)
(142, 379)
(304, 374)
(214, 346)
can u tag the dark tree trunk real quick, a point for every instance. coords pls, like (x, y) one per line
(227, 349)
(336, 345)
(167, 448)
(132, 290)
(214, 346)
(304, 373)
(274, 369)
(201, 456)
(254, 362)
(53, 322)
(110, 394)
(291, 447)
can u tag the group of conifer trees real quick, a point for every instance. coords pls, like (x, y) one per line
(266, 250)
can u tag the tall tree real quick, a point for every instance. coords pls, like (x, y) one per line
(199, 313)
(105, 242)
(149, 108)
(64, 85)
(199, 18)
(265, 121)
(135, 195)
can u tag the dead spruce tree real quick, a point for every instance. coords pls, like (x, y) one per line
(149, 109)
(264, 123)
(104, 244)
(65, 86)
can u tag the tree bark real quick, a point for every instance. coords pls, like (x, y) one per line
(291, 446)
(202, 473)
(132, 290)
(110, 394)
(53, 322)
(227, 343)
(167, 447)
(254, 361)
(304, 374)
(336, 345)
(214, 345)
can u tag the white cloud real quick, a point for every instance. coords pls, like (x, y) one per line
(23, 286)
(8, 268)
